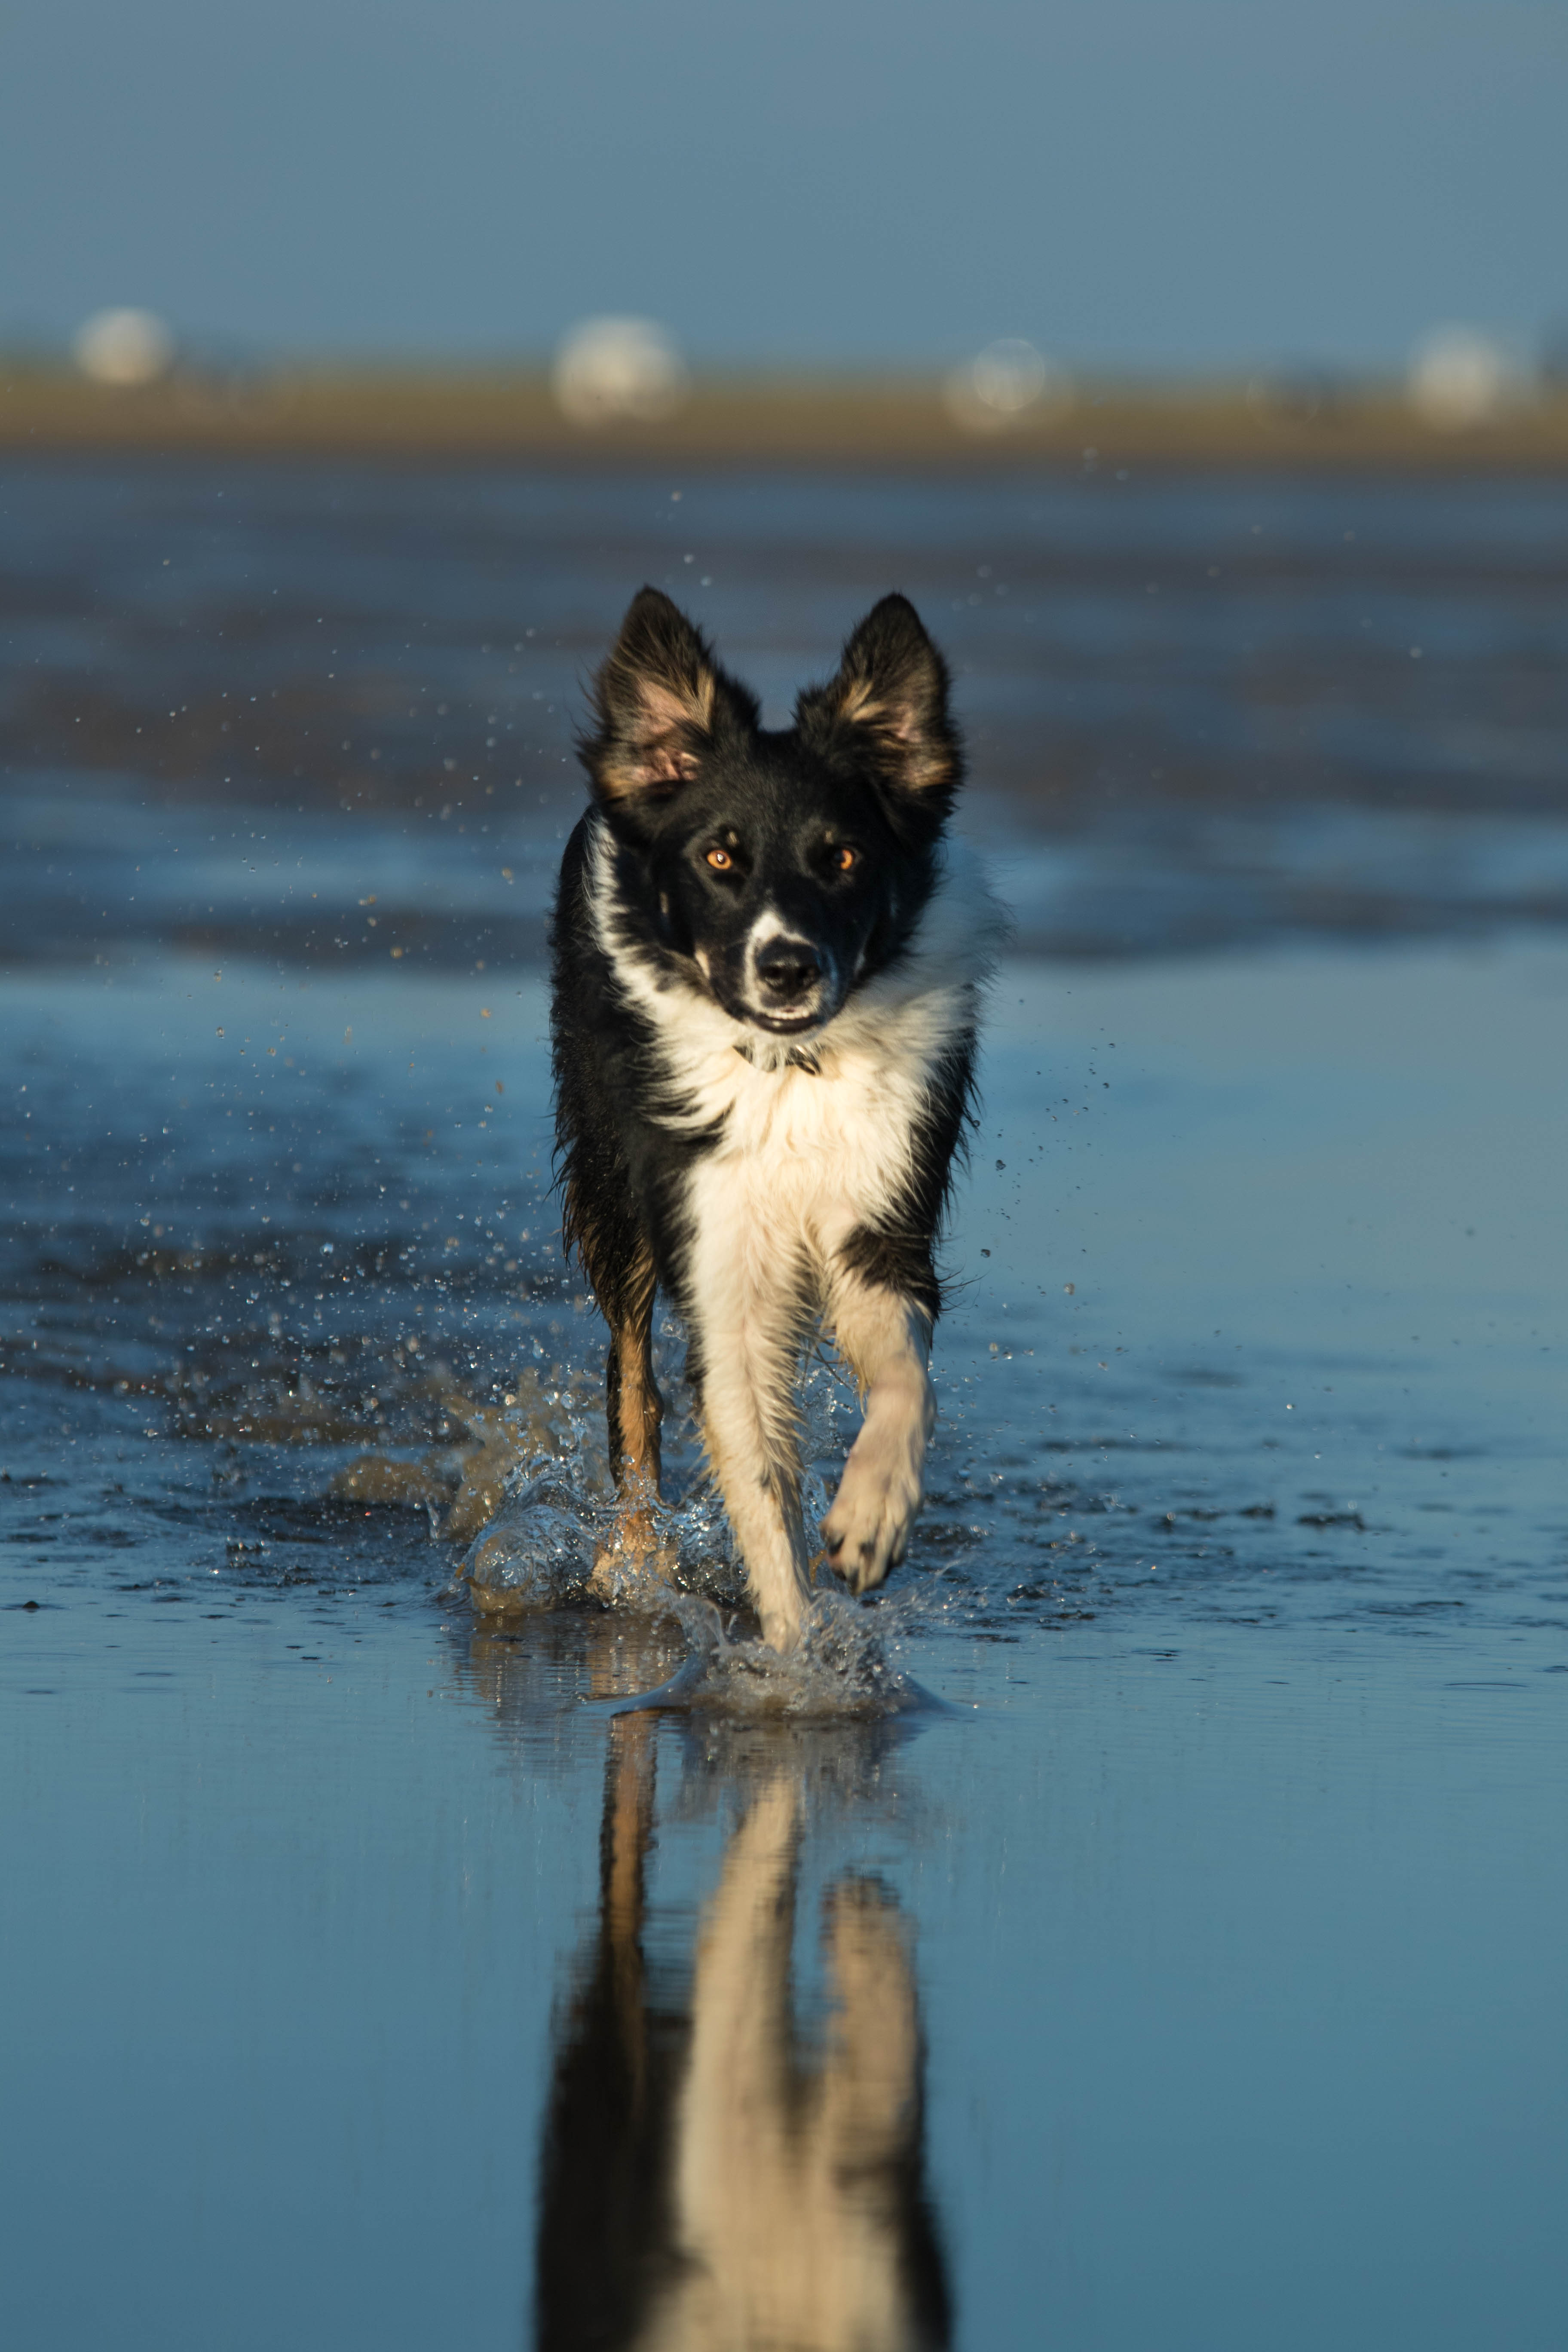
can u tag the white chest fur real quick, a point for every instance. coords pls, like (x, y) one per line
(801, 1155)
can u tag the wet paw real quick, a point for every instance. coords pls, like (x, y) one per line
(781, 1629)
(634, 1555)
(868, 1531)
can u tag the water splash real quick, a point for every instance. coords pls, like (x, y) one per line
(539, 1551)
(546, 1533)
(841, 1668)
(558, 1540)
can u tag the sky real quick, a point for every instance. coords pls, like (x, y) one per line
(1183, 184)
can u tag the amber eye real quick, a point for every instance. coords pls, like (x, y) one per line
(846, 858)
(720, 860)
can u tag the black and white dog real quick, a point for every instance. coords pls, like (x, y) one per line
(767, 964)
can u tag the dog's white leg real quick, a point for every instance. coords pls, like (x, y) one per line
(747, 1317)
(886, 1341)
(757, 1467)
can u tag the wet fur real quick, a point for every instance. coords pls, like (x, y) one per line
(763, 1074)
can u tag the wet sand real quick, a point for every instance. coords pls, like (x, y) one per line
(1207, 1876)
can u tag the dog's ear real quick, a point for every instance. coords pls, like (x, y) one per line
(888, 702)
(660, 700)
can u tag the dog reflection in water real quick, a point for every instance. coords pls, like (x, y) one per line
(710, 2184)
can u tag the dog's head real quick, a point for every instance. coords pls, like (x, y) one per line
(784, 867)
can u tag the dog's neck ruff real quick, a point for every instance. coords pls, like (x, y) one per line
(893, 1033)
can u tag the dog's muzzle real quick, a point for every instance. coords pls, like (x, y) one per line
(792, 982)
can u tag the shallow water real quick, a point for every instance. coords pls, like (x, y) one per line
(1143, 1924)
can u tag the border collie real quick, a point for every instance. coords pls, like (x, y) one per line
(767, 968)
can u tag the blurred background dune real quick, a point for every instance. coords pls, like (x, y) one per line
(1198, 234)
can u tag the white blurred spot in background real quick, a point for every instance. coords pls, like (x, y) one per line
(615, 369)
(1460, 377)
(1003, 384)
(123, 347)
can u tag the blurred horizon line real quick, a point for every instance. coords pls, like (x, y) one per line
(35, 349)
(1007, 406)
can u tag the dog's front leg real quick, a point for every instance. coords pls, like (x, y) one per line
(747, 1322)
(885, 1338)
(753, 1451)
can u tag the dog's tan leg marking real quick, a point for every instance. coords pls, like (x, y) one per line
(885, 1341)
(636, 1409)
(635, 1414)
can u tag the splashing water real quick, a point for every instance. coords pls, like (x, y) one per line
(558, 1540)
(536, 1497)
(841, 1668)
(539, 1551)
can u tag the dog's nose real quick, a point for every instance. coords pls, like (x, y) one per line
(786, 969)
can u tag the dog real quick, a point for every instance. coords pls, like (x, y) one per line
(768, 959)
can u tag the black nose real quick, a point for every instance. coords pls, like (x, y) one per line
(787, 968)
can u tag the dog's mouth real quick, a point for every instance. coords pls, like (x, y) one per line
(785, 1025)
(813, 1010)
(781, 1003)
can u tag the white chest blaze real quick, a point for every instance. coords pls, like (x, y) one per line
(814, 1139)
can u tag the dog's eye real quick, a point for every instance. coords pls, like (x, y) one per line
(845, 859)
(720, 860)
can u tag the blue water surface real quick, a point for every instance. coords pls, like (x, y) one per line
(1144, 1924)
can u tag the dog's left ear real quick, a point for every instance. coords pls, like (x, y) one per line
(888, 702)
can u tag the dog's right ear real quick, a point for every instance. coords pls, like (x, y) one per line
(889, 705)
(660, 701)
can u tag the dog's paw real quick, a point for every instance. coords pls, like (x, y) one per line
(783, 1627)
(868, 1531)
(634, 1557)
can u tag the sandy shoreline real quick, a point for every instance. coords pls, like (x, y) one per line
(865, 423)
